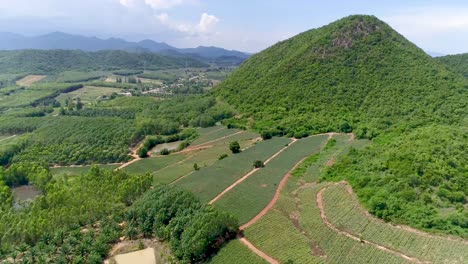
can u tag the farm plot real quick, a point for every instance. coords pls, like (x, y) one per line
(78, 170)
(252, 195)
(6, 139)
(295, 220)
(215, 134)
(208, 182)
(88, 94)
(153, 164)
(236, 253)
(30, 80)
(202, 157)
(344, 212)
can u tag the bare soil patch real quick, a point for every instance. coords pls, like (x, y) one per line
(30, 79)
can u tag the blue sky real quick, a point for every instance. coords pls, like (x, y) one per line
(440, 26)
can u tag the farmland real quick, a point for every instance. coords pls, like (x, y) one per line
(343, 211)
(236, 253)
(252, 195)
(207, 183)
(29, 80)
(88, 94)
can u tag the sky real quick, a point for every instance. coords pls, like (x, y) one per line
(246, 25)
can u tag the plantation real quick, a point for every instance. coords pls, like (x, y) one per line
(235, 252)
(252, 195)
(209, 182)
(78, 170)
(347, 216)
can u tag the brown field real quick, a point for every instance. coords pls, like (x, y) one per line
(30, 80)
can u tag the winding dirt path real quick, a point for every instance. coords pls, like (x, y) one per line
(319, 201)
(250, 173)
(275, 198)
(133, 153)
(257, 251)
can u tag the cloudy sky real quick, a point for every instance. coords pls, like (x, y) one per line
(247, 25)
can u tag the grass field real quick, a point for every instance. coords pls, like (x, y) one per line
(210, 181)
(29, 80)
(344, 212)
(236, 253)
(88, 94)
(249, 197)
(77, 170)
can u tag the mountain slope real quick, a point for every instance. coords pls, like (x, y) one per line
(59, 40)
(51, 61)
(356, 74)
(458, 63)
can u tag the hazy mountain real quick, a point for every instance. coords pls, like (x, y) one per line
(59, 40)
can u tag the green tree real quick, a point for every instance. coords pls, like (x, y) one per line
(235, 147)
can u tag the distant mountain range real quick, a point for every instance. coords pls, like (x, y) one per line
(59, 40)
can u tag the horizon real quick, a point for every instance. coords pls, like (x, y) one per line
(434, 26)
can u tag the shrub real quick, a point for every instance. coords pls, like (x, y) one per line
(164, 151)
(234, 147)
(258, 164)
(223, 156)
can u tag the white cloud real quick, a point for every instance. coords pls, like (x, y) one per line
(128, 3)
(207, 22)
(163, 4)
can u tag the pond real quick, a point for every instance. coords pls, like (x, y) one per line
(169, 146)
(24, 193)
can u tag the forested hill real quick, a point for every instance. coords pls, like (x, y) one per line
(356, 74)
(53, 61)
(458, 63)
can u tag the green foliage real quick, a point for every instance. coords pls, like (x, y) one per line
(410, 179)
(164, 151)
(223, 156)
(69, 202)
(457, 63)
(50, 61)
(235, 147)
(356, 74)
(193, 230)
(258, 164)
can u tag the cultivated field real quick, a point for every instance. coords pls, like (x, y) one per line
(29, 80)
(88, 94)
(236, 253)
(249, 197)
(209, 182)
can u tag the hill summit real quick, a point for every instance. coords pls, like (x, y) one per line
(355, 74)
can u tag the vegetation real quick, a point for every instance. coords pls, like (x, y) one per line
(234, 147)
(210, 181)
(252, 195)
(67, 203)
(334, 79)
(54, 61)
(457, 63)
(413, 179)
(193, 230)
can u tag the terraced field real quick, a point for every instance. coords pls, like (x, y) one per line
(150, 165)
(343, 211)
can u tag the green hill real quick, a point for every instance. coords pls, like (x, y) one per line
(52, 61)
(458, 63)
(356, 74)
